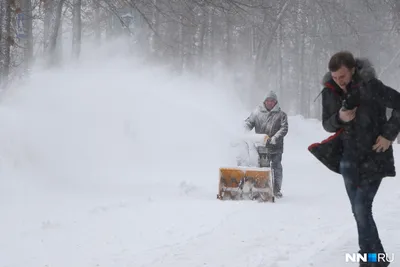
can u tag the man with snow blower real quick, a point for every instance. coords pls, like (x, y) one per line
(354, 103)
(269, 119)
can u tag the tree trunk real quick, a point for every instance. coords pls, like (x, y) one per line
(228, 41)
(155, 21)
(5, 41)
(199, 40)
(2, 11)
(253, 42)
(28, 44)
(110, 25)
(96, 21)
(181, 45)
(304, 92)
(210, 36)
(50, 50)
(262, 54)
(76, 28)
(48, 21)
(280, 62)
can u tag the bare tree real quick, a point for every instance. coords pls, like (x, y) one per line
(76, 28)
(53, 13)
(276, 44)
(6, 41)
(26, 36)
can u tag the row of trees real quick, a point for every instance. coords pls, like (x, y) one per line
(265, 44)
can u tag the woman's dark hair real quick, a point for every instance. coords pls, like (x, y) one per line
(342, 58)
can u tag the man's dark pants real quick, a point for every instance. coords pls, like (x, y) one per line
(361, 195)
(275, 162)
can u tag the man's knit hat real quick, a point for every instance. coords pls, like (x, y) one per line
(271, 94)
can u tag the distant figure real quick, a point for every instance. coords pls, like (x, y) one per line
(354, 105)
(269, 119)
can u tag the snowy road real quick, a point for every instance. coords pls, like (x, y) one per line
(309, 227)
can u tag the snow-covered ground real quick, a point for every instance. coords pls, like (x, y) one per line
(116, 164)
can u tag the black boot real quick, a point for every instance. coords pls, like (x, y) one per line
(377, 264)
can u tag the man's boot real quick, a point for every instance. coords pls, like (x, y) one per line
(277, 193)
(376, 264)
(381, 264)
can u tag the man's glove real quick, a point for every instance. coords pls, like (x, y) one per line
(271, 140)
(266, 139)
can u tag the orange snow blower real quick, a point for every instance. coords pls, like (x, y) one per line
(252, 182)
(246, 183)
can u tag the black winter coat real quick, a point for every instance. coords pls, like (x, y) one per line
(354, 140)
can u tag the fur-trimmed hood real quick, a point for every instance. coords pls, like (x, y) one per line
(364, 69)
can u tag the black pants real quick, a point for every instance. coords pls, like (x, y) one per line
(276, 166)
(361, 195)
(275, 162)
